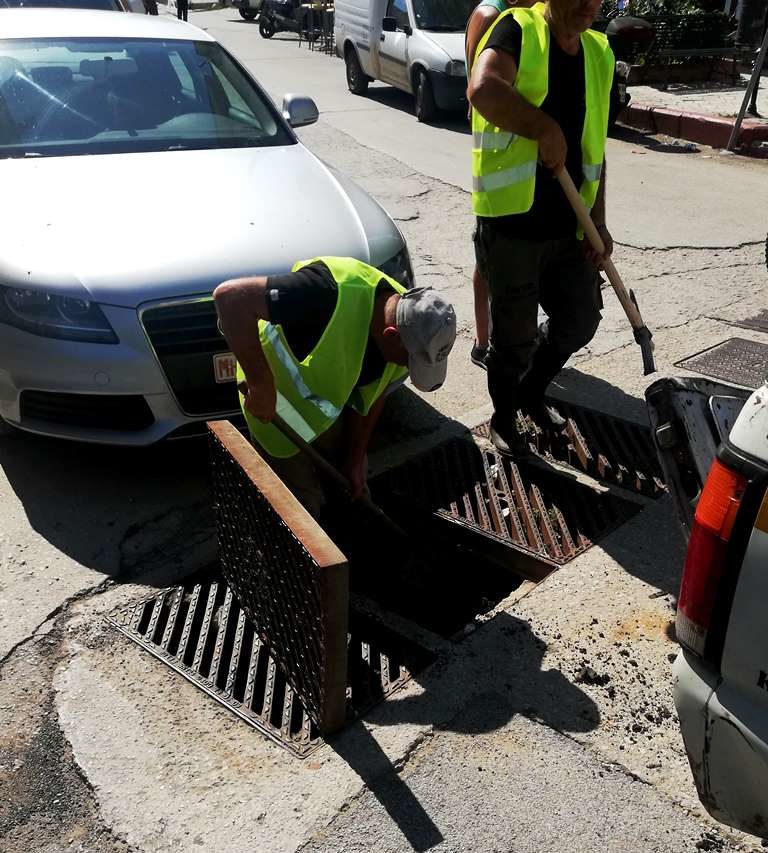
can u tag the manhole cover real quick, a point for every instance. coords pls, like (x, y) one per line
(758, 322)
(611, 449)
(199, 630)
(736, 360)
(530, 519)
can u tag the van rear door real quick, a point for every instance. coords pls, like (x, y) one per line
(690, 418)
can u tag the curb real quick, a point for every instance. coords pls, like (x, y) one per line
(694, 127)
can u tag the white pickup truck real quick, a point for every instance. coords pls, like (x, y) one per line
(717, 435)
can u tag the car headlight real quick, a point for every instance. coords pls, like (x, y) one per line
(456, 68)
(399, 267)
(54, 316)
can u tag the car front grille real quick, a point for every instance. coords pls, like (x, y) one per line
(185, 338)
(88, 411)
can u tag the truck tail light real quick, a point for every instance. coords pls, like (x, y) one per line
(705, 559)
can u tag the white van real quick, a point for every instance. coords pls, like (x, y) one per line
(415, 45)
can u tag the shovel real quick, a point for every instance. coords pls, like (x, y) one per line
(334, 474)
(628, 302)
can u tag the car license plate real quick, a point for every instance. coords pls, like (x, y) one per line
(224, 367)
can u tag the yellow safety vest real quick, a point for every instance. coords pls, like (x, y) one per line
(312, 393)
(503, 164)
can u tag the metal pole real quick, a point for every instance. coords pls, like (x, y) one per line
(756, 71)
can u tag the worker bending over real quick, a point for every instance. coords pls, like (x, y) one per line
(321, 346)
(540, 91)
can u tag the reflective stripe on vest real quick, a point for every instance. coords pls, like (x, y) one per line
(505, 178)
(325, 406)
(504, 175)
(492, 140)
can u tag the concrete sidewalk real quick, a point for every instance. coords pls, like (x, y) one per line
(702, 113)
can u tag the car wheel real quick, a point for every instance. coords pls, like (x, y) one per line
(356, 78)
(248, 14)
(266, 28)
(426, 109)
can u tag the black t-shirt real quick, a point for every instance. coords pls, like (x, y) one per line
(550, 216)
(303, 302)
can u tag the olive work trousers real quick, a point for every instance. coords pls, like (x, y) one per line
(523, 357)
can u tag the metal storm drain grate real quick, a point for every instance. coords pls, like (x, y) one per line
(759, 322)
(610, 449)
(530, 519)
(736, 360)
(201, 632)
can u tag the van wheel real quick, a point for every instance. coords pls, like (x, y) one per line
(248, 14)
(426, 109)
(356, 77)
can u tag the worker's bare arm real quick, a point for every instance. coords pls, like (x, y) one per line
(492, 93)
(241, 303)
(358, 430)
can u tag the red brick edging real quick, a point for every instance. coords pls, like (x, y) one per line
(695, 127)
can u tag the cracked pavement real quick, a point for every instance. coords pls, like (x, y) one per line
(503, 744)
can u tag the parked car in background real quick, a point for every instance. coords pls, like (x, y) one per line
(248, 9)
(415, 45)
(145, 166)
(713, 444)
(103, 5)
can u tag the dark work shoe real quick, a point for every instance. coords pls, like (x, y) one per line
(478, 355)
(507, 439)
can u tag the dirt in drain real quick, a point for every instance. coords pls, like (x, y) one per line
(442, 592)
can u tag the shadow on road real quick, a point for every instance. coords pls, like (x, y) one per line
(490, 679)
(389, 96)
(117, 511)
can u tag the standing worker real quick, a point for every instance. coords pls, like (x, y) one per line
(321, 346)
(480, 21)
(540, 90)
(182, 9)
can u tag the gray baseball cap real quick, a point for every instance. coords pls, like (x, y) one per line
(427, 326)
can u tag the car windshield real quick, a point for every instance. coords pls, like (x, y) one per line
(447, 16)
(86, 96)
(107, 5)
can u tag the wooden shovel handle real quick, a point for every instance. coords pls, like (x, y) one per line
(593, 235)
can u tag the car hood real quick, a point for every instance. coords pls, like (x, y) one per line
(451, 43)
(122, 229)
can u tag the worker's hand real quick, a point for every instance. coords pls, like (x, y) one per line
(552, 146)
(597, 259)
(260, 399)
(356, 472)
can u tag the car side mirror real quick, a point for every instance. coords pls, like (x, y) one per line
(299, 110)
(389, 25)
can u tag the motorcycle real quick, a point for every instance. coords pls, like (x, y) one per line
(279, 16)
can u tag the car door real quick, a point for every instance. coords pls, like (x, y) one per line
(393, 49)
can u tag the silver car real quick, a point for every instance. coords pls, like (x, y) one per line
(140, 166)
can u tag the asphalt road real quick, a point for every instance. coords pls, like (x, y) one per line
(503, 746)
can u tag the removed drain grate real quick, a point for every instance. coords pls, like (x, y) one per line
(530, 519)
(201, 632)
(288, 576)
(736, 360)
(610, 449)
(759, 322)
